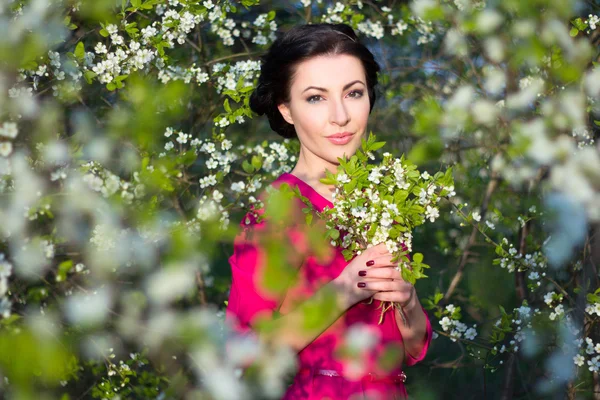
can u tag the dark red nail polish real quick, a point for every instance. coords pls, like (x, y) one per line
(370, 262)
(362, 273)
(361, 284)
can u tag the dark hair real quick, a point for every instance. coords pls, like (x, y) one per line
(298, 44)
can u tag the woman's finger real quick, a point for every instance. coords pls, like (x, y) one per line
(384, 260)
(381, 273)
(384, 285)
(397, 297)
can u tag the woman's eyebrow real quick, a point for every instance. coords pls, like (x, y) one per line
(325, 90)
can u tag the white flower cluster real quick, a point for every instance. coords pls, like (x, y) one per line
(228, 75)
(175, 73)
(54, 70)
(99, 179)
(343, 13)
(8, 130)
(425, 28)
(105, 237)
(534, 263)
(370, 28)
(457, 329)
(467, 5)
(593, 308)
(5, 272)
(220, 158)
(521, 317)
(574, 165)
(583, 137)
(399, 28)
(265, 30)
(211, 209)
(370, 216)
(275, 155)
(138, 53)
(275, 158)
(128, 49)
(553, 300)
(593, 21)
(334, 15)
(591, 349)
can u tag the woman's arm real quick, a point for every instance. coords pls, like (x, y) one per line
(307, 321)
(417, 335)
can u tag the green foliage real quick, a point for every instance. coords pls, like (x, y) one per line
(136, 153)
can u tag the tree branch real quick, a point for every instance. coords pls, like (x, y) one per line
(491, 187)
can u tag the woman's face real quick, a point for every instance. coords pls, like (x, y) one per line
(329, 107)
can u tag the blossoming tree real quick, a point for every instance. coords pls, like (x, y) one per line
(128, 156)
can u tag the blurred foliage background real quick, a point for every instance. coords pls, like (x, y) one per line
(129, 155)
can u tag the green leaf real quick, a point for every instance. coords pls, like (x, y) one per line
(349, 187)
(309, 218)
(257, 162)
(63, 269)
(147, 5)
(89, 75)
(80, 51)
(418, 258)
(574, 32)
(377, 146)
(579, 24)
(328, 181)
(247, 167)
(136, 3)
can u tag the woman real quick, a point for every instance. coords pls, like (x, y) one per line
(317, 84)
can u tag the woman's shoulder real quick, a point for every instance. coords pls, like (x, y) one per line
(282, 192)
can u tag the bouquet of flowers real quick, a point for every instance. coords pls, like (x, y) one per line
(383, 203)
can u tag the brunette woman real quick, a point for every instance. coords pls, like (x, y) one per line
(317, 85)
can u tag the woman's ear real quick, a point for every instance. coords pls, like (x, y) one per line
(285, 113)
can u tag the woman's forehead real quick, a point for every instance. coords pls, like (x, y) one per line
(328, 71)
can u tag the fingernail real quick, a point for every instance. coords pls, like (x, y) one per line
(361, 284)
(370, 262)
(362, 273)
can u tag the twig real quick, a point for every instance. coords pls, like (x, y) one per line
(465, 341)
(188, 41)
(201, 288)
(492, 184)
(236, 55)
(508, 386)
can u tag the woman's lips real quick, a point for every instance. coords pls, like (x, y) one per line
(340, 139)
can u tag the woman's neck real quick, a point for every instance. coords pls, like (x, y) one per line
(311, 168)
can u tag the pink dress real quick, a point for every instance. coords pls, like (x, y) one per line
(321, 374)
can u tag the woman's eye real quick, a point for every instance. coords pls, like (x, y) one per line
(356, 93)
(313, 99)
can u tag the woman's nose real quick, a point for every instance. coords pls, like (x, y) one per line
(339, 114)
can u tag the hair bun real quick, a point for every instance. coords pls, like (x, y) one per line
(260, 99)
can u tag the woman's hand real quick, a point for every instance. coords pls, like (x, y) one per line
(372, 273)
(395, 289)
